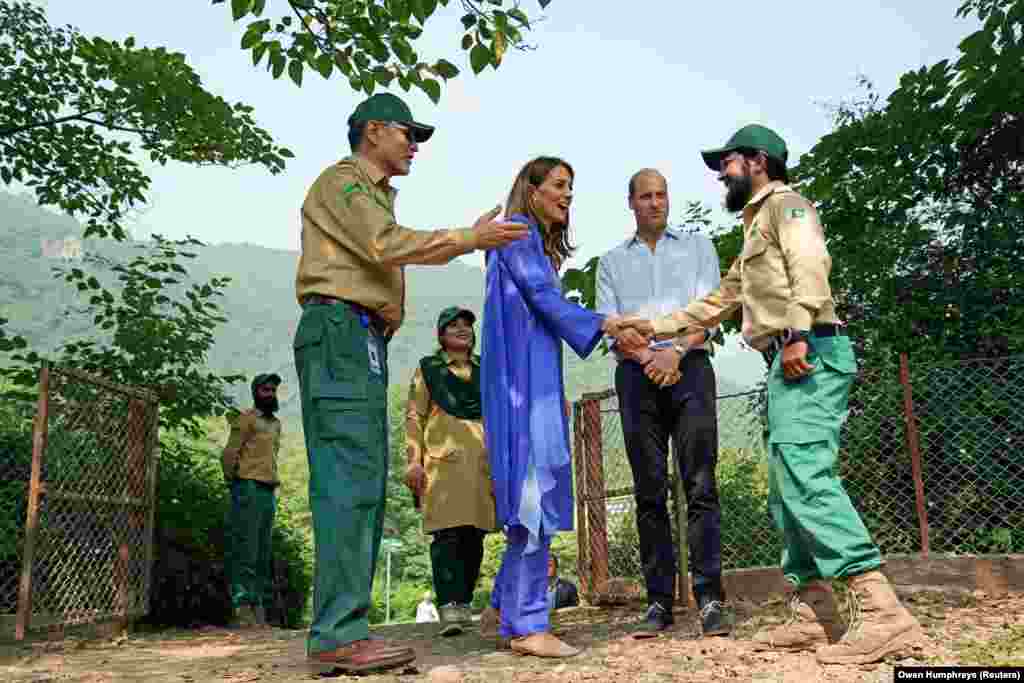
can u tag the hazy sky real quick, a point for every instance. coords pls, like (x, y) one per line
(612, 87)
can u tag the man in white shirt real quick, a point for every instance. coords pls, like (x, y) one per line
(426, 611)
(656, 271)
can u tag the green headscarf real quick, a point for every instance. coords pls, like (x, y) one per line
(458, 397)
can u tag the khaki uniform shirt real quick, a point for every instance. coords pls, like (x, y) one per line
(453, 454)
(252, 448)
(780, 278)
(354, 249)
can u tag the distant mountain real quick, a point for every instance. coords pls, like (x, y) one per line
(260, 302)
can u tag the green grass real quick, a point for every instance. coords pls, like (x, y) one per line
(1004, 649)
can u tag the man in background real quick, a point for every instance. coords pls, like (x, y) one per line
(426, 611)
(561, 593)
(249, 462)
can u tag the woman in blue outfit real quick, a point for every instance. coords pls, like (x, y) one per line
(526, 428)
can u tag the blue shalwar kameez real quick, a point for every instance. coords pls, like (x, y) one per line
(526, 430)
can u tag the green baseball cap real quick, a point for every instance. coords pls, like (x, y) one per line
(390, 109)
(451, 313)
(265, 378)
(749, 137)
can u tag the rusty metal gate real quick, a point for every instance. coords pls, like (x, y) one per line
(88, 497)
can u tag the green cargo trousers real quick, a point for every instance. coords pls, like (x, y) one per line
(342, 369)
(248, 556)
(823, 535)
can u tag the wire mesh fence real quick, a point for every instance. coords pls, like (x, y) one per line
(930, 456)
(970, 420)
(83, 518)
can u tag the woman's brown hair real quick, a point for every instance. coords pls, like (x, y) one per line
(557, 245)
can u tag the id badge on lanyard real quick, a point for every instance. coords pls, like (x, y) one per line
(374, 353)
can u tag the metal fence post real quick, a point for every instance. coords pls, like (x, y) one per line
(597, 513)
(152, 471)
(915, 452)
(34, 493)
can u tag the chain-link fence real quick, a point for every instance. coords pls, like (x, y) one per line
(80, 546)
(929, 456)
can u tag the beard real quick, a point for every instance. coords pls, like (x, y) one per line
(738, 191)
(267, 406)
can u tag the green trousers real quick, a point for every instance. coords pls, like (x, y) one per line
(823, 535)
(342, 369)
(248, 555)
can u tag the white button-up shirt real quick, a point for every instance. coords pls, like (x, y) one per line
(633, 280)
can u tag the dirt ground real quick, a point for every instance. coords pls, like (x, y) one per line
(961, 629)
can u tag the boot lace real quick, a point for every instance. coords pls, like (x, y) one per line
(709, 607)
(794, 613)
(854, 618)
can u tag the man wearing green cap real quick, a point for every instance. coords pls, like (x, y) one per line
(781, 282)
(351, 286)
(249, 463)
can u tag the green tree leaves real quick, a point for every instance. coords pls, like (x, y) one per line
(372, 42)
(76, 112)
(922, 194)
(155, 329)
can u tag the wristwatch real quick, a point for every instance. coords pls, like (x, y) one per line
(792, 336)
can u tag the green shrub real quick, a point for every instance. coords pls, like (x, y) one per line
(15, 467)
(404, 599)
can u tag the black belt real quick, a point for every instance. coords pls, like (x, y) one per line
(367, 318)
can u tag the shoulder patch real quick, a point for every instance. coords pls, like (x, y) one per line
(352, 187)
(795, 213)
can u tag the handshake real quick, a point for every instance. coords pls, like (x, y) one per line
(633, 337)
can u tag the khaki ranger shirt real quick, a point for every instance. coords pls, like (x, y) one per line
(780, 278)
(252, 448)
(354, 249)
(452, 452)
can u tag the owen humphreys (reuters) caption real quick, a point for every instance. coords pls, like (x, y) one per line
(958, 673)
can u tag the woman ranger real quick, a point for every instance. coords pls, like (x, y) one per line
(447, 467)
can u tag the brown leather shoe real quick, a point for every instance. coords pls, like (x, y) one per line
(543, 645)
(362, 656)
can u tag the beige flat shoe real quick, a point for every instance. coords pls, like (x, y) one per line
(543, 645)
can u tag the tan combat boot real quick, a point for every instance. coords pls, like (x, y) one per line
(813, 621)
(879, 624)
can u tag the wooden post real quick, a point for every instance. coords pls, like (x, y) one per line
(597, 512)
(579, 467)
(915, 452)
(34, 493)
(683, 593)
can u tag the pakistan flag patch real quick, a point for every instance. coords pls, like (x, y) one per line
(352, 187)
(793, 214)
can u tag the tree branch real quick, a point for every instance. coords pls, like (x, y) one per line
(14, 130)
(324, 45)
(123, 129)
